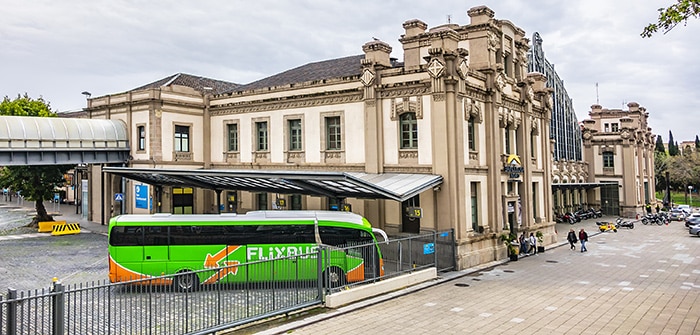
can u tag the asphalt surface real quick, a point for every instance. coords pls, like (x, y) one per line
(644, 280)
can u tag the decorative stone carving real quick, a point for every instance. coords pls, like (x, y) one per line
(493, 41)
(405, 105)
(530, 93)
(367, 77)
(534, 125)
(463, 67)
(472, 110)
(500, 82)
(436, 68)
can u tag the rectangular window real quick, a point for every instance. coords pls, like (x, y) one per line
(533, 140)
(261, 138)
(295, 143)
(615, 128)
(507, 139)
(333, 133)
(470, 134)
(182, 138)
(141, 130)
(232, 131)
(409, 131)
(608, 160)
(296, 201)
(607, 127)
(474, 187)
(534, 199)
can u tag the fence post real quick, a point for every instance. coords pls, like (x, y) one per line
(454, 250)
(435, 250)
(319, 272)
(12, 311)
(58, 308)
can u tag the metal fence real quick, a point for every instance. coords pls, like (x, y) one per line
(262, 289)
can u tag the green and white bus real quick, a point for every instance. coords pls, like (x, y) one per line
(147, 246)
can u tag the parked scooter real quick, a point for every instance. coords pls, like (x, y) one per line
(620, 223)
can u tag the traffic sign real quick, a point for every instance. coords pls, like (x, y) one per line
(118, 196)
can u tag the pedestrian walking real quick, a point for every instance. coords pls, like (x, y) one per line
(523, 244)
(583, 237)
(572, 238)
(533, 244)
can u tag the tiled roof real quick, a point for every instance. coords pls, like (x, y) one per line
(195, 82)
(327, 69)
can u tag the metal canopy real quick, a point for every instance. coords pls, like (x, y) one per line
(580, 185)
(394, 186)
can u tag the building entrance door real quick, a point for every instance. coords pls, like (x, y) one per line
(610, 199)
(410, 224)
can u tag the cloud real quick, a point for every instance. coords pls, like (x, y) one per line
(58, 49)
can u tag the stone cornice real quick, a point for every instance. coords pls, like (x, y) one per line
(289, 102)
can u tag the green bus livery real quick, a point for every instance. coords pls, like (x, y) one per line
(148, 246)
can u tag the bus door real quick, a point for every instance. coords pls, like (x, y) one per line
(155, 250)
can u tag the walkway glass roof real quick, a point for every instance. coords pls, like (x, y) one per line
(394, 186)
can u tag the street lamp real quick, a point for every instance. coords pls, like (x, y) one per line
(690, 195)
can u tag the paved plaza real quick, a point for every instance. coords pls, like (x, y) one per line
(640, 281)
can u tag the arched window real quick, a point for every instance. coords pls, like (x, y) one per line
(409, 131)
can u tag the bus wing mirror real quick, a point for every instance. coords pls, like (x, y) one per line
(381, 232)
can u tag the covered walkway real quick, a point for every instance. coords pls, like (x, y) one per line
(26, 140)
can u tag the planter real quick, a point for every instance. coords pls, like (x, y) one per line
(513, 257)
(540, 249)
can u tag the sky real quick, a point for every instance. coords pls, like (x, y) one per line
(57, 49)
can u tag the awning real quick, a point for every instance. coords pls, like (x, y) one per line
(585, 186)
(394, 186)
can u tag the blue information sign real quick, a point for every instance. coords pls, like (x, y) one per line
(428, 248)
(141, 196)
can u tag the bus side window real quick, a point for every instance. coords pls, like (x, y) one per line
(155, 235)
(337, 236)
(126, 236)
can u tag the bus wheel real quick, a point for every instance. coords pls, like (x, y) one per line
(334, 277)
(186, 281)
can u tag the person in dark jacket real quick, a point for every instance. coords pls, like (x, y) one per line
(583, 237)
(572, 238)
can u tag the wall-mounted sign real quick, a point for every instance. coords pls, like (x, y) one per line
(141, 196)
(414, 212)
(513, 167)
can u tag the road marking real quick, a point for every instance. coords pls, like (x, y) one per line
(485, 315)
(429, 304)
(517, 320)
(624, 283)
(644, 276)
(627, 289)
(550, 308)
(457, 309)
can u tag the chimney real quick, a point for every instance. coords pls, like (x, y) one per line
(411, 43)
(480, 15)
(377, 52)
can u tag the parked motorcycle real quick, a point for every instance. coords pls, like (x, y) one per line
(620, 223)
(596, 213)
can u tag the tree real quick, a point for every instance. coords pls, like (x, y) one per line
(36, 183)
(672, 147)
(697, 143)
(671, 16)
(660, 145)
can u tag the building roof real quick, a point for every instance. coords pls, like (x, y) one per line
(196, 82)
(318, 71)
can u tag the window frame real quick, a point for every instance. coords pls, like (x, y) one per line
(233, 145)
(333, 130)
(180, 140)
(262, 139)
(141, 137)
(411, 134)
(295, 136)
(608, 160)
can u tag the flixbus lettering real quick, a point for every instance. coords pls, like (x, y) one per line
(269, 252)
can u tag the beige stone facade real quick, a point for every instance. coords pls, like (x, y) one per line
(619, 146)
(460, 105)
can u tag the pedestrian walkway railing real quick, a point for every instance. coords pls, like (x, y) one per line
(227, 297)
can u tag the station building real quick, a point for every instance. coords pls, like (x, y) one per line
(460, 110)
